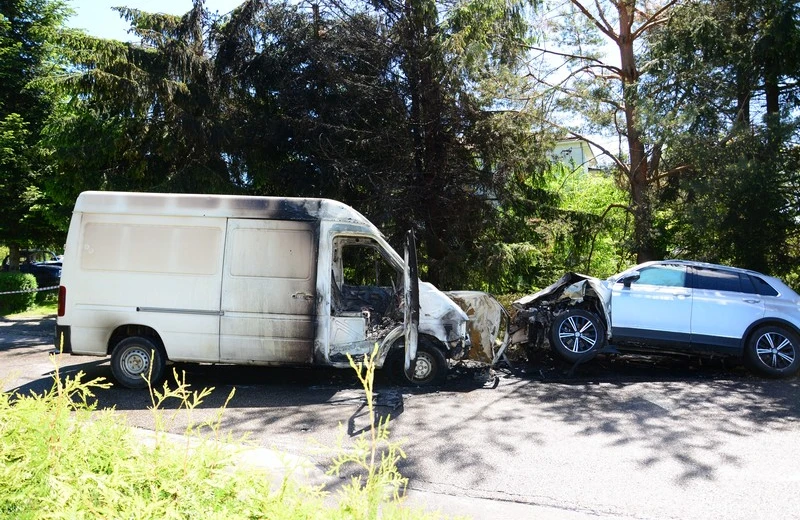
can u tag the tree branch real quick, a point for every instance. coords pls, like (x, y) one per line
(654, 19)
(603, 16)
(607, 30)
(597, 62)
(622, 166)
(581, 57)
(671, 172)
(597, 232)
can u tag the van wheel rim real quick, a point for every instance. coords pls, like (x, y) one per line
(135, 362)
(775, 350)
(423, 367)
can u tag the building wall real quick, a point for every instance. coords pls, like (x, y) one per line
(574, 153)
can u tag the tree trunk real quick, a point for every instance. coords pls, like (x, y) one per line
(430, 151)
(639, 174)
(772, 92)
(13, 256)
(743, 80)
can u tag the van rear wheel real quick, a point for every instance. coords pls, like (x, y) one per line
(135, 359)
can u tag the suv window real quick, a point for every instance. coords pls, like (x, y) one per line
(713, 280)
(663, 275)
(763, 288)
(747, 284)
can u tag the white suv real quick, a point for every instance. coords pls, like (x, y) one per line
(670, 306)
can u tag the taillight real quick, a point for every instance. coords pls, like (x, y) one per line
(62, 299)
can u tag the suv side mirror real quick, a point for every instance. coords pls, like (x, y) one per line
(628, 279)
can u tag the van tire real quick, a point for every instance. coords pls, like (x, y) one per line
(430, 364)
(136, 358)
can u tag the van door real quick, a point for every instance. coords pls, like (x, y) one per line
(268, 292)
(366, 292)
(411, 300)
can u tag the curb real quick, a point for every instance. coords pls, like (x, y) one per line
(279, 464)
(276, 464)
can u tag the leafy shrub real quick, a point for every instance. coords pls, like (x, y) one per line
(60, 458)
(21, 302)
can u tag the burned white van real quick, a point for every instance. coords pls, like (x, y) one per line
(149, 278)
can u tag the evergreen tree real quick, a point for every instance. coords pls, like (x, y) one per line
(732, 93)
(28, 55)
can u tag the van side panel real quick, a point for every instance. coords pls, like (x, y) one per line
(268, 292)
(160, 272)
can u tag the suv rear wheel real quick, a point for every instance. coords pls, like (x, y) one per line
(774, 351)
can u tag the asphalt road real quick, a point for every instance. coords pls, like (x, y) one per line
(622, 438)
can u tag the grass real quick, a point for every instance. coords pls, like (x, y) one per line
(46, 304)
(61, 458)
(39, 309)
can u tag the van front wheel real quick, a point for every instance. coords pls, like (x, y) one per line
(428, 369)
(135, 359)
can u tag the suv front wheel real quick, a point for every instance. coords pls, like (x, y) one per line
(576, 334)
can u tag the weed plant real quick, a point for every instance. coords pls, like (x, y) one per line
(60, 458)
(376, 488)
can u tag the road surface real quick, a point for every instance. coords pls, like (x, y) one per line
(622, 438)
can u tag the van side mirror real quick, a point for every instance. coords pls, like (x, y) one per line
(628, 279)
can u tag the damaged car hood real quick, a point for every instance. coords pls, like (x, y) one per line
(488, 325)
(572, 287)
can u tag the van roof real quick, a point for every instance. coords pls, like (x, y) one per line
(233, 206)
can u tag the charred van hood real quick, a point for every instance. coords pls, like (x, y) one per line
(435, 305)
(488, 326)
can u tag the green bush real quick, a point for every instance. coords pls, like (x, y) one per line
(61, 458)
(21, 302)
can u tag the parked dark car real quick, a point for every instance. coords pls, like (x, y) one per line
(669, 307)
(44, 265)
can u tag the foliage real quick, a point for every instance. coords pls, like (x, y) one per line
(717, 64)
(580, 223)
(703, 98)
(407, 112)
(607, 96)
(60, 457)
(374, 459)
(743, 211)
(47, 308)
(14, 303)
(435, 116)
(28, 30)
(599, 221)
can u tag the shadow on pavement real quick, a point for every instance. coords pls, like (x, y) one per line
(26, 332)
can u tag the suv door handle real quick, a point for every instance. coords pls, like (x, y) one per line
(307, 297)
(751, 300)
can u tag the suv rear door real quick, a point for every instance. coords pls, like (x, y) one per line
(725, 304)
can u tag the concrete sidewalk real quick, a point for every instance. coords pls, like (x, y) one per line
(278, 464)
